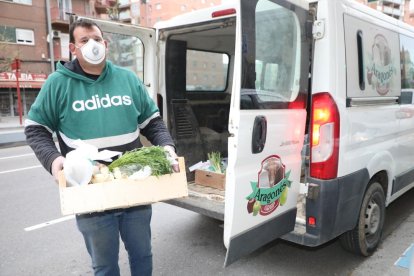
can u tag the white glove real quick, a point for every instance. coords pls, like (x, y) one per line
(57, 165)
(172, 157)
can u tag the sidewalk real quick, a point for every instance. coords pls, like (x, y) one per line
(11, 132)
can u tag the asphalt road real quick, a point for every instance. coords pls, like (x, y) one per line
(35, 240)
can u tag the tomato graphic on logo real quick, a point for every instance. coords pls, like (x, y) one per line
(269, 208)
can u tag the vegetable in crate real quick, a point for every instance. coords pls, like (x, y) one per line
(154, 157)
(215, 161)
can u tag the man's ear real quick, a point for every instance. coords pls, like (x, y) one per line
(72, 48)
(106, 47)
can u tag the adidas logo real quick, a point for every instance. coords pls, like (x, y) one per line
(95, 102)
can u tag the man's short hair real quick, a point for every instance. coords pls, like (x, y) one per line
(84, 23)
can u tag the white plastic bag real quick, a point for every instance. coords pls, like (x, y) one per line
(78, 167)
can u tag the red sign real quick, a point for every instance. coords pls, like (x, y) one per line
(8, 76)
(26, 80)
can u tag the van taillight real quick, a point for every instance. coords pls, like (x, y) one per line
(324, 137)
(223, 12)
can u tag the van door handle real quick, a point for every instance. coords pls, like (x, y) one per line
(259, 134)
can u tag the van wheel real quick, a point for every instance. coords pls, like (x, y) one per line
(365, 237)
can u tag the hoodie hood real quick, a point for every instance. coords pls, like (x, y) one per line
(67, 69)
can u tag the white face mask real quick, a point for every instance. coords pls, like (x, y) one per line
(93, 52)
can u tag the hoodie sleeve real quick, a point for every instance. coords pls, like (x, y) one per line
(41, 142)
(41, 123)
(156, 132)
(44, 109)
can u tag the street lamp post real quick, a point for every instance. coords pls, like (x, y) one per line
(16, 67)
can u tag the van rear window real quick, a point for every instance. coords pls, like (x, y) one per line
(271, 56)
(126, 51)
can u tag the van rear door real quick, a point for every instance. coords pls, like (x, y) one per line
(267, 123)
(132, 47)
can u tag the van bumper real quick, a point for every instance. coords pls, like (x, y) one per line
(334, 204)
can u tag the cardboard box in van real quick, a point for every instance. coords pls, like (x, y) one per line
(121, 193)
(210, 179)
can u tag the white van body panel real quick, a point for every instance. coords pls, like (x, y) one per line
(369, 134)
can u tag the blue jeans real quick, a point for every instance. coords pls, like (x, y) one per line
(101, 233)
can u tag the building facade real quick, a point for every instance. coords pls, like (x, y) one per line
(36, 33)
(152, 11)
(399, 9)
(23, 36)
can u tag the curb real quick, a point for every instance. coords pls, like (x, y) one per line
(12, 138)
(12, 144)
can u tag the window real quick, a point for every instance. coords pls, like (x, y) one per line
(126, 14)
(15, 35)
(24, 36)
(126, 51)
(158, 6)
(211, 79)
(7, 34)
(26, 2)
(65, 6)
(270, 78)
(407, 62)
(373, 68)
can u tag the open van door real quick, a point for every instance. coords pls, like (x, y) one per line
(132, 47)
(267, 123)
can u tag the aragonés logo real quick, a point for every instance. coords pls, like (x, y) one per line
(271, 188)
(95, 102)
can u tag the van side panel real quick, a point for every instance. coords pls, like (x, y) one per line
(371, 112)
(358, 62)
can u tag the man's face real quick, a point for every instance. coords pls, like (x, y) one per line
(82, 36)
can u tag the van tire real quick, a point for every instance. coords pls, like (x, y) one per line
(366, 236)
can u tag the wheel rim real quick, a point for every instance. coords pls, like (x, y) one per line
(372, 218)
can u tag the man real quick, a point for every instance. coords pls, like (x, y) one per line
(106, 106)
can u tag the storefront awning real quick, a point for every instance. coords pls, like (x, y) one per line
(23, 84)
(26, 80)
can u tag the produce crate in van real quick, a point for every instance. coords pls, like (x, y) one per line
(121, 193)
(210, 179)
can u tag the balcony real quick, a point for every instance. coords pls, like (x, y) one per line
(59, 18)
(394, 12)
(101, 6)
(390, 2)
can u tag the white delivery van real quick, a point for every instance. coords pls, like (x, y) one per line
(311, 102)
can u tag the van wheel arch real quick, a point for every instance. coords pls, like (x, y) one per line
(366, 235)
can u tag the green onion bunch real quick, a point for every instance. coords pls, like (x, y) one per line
(154, 157)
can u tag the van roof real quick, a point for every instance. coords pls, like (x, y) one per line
(203, 15)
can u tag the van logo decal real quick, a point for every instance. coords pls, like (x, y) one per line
(271, 188)
(380, 68)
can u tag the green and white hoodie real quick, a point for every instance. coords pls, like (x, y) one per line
(108, 112)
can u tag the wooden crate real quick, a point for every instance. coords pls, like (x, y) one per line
(210, 179)
(121, 193)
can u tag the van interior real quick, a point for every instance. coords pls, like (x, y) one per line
(198, 72)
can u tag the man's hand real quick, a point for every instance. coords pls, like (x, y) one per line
(173, 158)
(57, 165)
